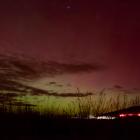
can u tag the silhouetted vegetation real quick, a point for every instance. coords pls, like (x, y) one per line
(82, 107)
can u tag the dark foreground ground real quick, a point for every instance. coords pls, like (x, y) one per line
(31, 127)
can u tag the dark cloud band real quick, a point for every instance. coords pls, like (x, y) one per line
(29, 68)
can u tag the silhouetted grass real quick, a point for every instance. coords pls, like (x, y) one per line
(82, 107)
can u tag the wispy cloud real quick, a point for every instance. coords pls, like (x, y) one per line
(17, 68)
(12, 67)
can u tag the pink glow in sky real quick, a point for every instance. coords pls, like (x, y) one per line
(77, 31)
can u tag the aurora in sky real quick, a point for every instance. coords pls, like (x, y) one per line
(69, 69)
(59, 46)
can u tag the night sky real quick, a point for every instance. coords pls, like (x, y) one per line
(104, 33)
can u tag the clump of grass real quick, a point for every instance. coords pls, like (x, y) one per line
(82, 107)
(89, 106)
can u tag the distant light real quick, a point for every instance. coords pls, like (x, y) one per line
(138, 115)
(109, 117)
(101, 117)
(131, 115)
(105, 118)
(122, 115)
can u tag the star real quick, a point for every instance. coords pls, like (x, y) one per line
(68, 7)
